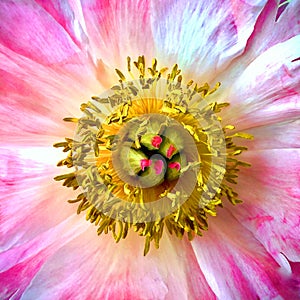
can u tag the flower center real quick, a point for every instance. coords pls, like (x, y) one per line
(145, 157)
(151, 153)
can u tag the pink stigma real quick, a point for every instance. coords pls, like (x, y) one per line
(175, 165)
(144, 163)
(156, 141)
(158, 167)
(170, 151)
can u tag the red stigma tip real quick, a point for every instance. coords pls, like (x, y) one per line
(156, 141)
(175, 165)
(170, 151)
(144, 163)
(158, 167)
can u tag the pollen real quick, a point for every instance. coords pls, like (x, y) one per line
(152, 155)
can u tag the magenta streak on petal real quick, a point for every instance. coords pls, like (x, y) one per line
(144, 163)
(170, 151)
(156, 141)
(158, 167)
(175, 165)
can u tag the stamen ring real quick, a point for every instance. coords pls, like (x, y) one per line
(101, 187)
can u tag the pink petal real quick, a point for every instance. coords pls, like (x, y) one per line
(18, 266)
(117, 29)
(274, 136)
(29, 30)
(67, 14)
(267, 90)
(34, 99)
(31, 201)
(45, 70)
(95, 267)
(28, 117)
(235, 264)
(202, 37)
(270, 190)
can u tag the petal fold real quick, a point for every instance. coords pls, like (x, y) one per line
(268, 89)
(202, 37)
(274, 31)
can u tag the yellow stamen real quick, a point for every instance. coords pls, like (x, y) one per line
(120, 192)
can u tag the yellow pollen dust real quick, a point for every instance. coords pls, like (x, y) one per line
(151, 154)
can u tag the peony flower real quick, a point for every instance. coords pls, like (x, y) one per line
(99, 65)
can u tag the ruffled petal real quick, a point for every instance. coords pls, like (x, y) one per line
(117, 29)
(270, 190)
(236, 265)
(268, 90)
(109, 271)
(31, 201)
(202, 37)
(274, 31)
(268, 33)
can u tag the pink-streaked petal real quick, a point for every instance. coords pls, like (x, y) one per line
(34, 99)
(267, 90)
(236, 265)
(67, 14)
(117, 29)
(45, 71)
(18, 266)
(267, 33)
(202, 37)
(27, 115)
(109, 271)
(31, 201)
(270, 190)
(29, 30)
(295, 266)
(275, 136)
